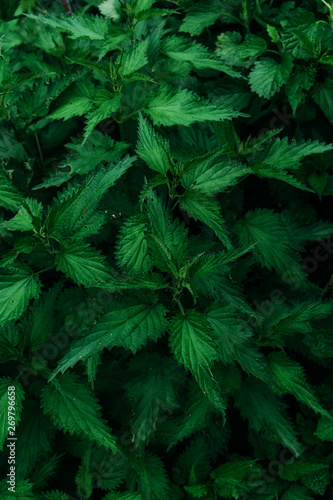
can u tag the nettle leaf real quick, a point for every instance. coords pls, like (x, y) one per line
(55, 495)
(196, 414)
(205, 263)
(10, 197)
(34, 438)
(84, 264)
(282, 154)
(6, 385)
(149, 477)
(219, 287)
(10, 80)
(41, 318)
(151, 393)
(302, 79)
(153, 150)
(216, 178)
(268, 76)
(230, 475)
(290, 377)
(297, 492)
(134, 59)
(235, 340)
(107, 103)
(83, 158)
(200, 16)
(169, 107)
(123, 496)
(193, 344)
(27, 218)
(273, 249)
(23, 490)
(132, 248)
(74, 408)
(76, 101)
(74, 213)
(18, 285)
(203, 207)
(183, 49)
(79, 25)
(167, 238)
(253, 46)
(128, 324)
(256, 400)
(323, 96)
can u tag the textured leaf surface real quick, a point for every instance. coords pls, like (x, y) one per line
(126, 325)
(181, 107)
(72, 407)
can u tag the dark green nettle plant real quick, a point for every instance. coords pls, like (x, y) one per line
(166, 253)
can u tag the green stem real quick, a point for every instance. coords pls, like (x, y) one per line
(9, 135)
(39, 148)
(246, 16)
(44, 270)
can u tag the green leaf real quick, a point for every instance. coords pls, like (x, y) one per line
(128, 324)
(193, 343)
(200, 16)
(75, 211)
(167, 238)
(151, 393)
(22, 491)
(273, 249)
(10, 81)
(256, 399)
(227, 477)
(282, 154)
(196, 414)
(202, 207)
(42, 318)
(216, 178)
(84, 264)
(297, 492)
(83, 158)
(55, 495)
(184, 49)
(33, 438)
(107, 103)
(153, 150)
(28, 217)
(235, 341)
(110, 9)
(132, 247)
(133, 59)
(74, 408)
(267, 76)
(17, 285)
(323, 96)
(76, 101)
(9, 195)
(290, 377)
(181, 107)
(302, 79)
(324, 430)
(79, 25)
(148, 477)
(253, 46)
(5, 402)
(204, 264)
(84, 478)
(273, 33)
(122, 496)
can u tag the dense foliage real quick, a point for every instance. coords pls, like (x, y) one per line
(166, 253)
